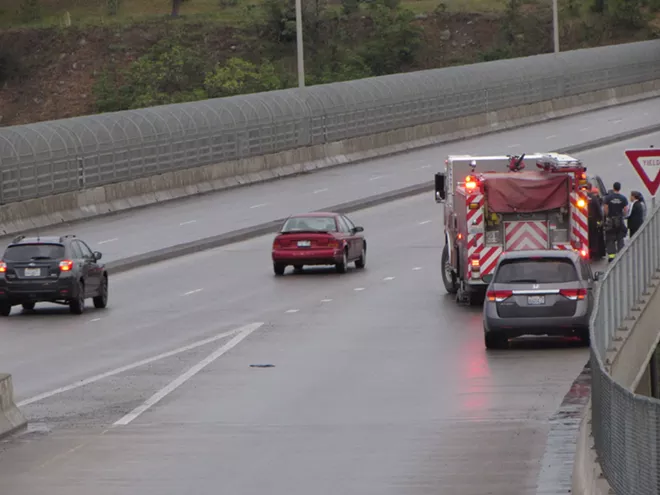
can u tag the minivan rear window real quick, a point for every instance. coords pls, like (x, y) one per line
(536, 271)
(30, 252)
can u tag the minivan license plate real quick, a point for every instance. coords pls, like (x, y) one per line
(32, 272)
(535, 300)
(304, 243)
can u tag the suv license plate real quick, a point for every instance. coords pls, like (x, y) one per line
(535, 300)
(304, 243)
(32, 272)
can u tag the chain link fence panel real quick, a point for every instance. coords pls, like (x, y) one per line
(625, 426)
(70, 154)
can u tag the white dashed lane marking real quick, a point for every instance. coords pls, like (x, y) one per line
(325, 300)
(292, 310)
(585, 129)
(513, 145)
(551, 136)
(188, 222)
(260, 205)
(109, 240)
(424, 222)
(387, 279)
(357, 289)
(320, 190)
(417, 268)
(96, 319)
(193, 292)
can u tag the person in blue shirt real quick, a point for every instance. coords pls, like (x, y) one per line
(614, 206)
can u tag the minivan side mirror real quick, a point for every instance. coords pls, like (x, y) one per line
(97, 255)
(358, 229)
(598, 276)
(440, 194)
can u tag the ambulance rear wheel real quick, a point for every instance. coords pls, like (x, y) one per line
(448, 275)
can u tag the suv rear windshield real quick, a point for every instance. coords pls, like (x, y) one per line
(536, 271)
(310, 224)
(29, 252)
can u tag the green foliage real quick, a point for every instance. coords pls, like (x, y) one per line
(239, 76)
(394, 41)
(625, 13)
(113, 7)
(30, 10)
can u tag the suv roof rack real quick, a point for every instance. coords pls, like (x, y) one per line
(18, 238)
(67, 236)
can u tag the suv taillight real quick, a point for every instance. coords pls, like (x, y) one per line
(574, 294)
(66, 265)
(499, 295)
(3, 267)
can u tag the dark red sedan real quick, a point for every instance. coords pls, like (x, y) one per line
(319, 238)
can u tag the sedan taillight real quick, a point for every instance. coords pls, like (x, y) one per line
(574, 294)
(499, 295)
(334, 243)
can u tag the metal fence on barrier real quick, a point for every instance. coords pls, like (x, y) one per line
(67, 155)
(626, 426)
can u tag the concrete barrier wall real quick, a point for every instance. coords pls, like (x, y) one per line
(25, 215)
(11, 419)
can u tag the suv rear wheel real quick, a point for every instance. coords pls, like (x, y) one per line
(77, 305)
(101, 301)
(5, 309)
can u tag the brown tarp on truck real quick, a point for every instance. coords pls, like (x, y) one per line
(525, 192)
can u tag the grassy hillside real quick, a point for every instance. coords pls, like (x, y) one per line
(61, 58)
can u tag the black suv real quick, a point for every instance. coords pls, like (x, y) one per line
(61, 270)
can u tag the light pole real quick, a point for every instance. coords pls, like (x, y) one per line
(555, 24)
(299, 44)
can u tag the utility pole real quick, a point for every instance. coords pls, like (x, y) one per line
(555, 24)
(299, 44)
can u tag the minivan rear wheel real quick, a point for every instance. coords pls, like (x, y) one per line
(5, 309)
(496, 340)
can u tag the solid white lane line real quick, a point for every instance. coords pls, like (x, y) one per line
(292, 310)
(188, 222)
(109, 240)
(192, 292)
(320, 190)
(417, 268)
(424, 222)
(386, 279)
(258, 206)
(181, 379)
(128, 367)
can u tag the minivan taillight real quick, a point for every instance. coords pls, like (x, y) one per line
(66, 265)
(498, 295)
(574, 294)
(3, 267)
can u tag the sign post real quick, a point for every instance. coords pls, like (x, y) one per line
(647, 164)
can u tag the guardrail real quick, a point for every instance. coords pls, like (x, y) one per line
(625, 426)
(68, 155)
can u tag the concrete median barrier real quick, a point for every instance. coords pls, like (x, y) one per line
(73, 206)
(11, 419)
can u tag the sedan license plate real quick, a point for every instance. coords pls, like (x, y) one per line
(32, 272)
(304, 243)
(535, 300)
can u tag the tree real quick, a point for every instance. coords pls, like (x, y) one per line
(239, 76)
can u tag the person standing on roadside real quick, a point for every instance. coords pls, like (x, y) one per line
(636, 213)
(614, 206)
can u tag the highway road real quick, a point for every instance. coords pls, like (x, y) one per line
(139, 231)
(380, 383)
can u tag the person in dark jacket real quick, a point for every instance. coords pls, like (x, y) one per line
(596, 237)
(637, 212)
(614, 206)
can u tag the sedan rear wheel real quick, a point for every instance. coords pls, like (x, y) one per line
(341, 266)
(362, 260)
(279, 268)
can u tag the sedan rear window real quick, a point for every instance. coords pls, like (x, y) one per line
(29, 252)
(536, 271)
(310, 224)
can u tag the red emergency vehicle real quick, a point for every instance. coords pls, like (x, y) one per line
(494, 204)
